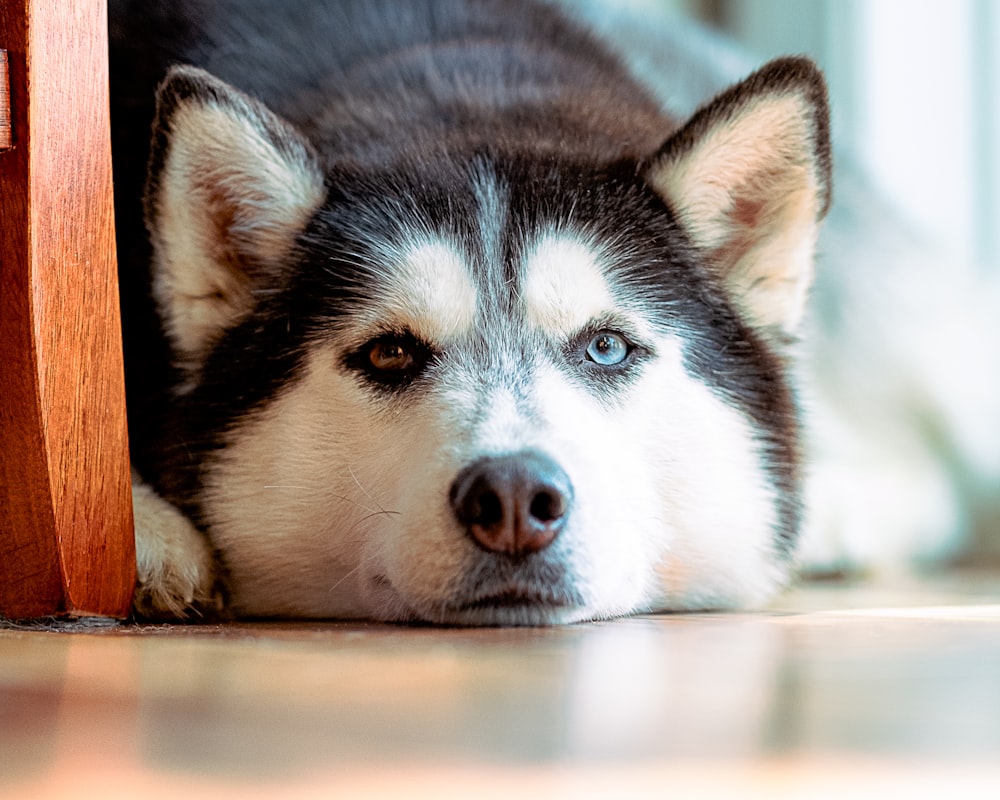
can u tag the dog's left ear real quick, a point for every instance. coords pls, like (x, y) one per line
(749, 178)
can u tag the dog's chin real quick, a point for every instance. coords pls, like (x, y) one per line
(515, 606)
(501, 606)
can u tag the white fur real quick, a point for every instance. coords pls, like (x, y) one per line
(720, 507)
(564, 288)
(175, 568)
(327, 504)
(428, 290)
(491, 199)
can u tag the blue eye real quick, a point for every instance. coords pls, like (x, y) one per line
(608, 349)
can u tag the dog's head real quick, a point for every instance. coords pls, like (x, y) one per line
(478, 388)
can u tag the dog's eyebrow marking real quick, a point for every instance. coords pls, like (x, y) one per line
(564, 286)
(431, 292)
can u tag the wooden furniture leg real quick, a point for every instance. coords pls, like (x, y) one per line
(66, 540)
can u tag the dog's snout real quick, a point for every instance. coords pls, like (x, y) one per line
(514, 504)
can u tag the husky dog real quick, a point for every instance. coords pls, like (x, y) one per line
(440, 317)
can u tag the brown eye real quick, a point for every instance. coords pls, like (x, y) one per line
(391, 356)
(393, 360)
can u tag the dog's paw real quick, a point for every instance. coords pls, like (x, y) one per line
(175, 568)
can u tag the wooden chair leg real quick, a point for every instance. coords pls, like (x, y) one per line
(66, 540)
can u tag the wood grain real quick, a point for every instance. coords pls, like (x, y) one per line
(899, 677)
(66, 541)
(5, 140)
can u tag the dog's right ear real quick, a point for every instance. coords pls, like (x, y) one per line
(230, 187)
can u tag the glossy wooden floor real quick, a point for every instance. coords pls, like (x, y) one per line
(839, 691)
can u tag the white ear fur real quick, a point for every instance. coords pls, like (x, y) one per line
(230, 187)
(749, 178)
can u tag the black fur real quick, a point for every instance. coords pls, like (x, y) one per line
(401, 100)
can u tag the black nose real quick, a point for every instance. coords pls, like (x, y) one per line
(515, 504)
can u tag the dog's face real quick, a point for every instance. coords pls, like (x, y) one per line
(481, 389)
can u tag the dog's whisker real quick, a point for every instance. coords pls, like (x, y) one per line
(346, 576)
(318, 496)
(368, 494)
(373, 515)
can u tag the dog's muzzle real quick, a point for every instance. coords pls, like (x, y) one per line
(515, 504)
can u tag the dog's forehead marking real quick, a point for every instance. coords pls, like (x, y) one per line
(433, 293)
(564, 285)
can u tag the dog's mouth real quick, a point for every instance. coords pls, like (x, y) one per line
(515, 604)
(516, 598)
(490, 602)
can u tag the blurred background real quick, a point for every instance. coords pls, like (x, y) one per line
(915, 95)
(901, 353)
(915, 87)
